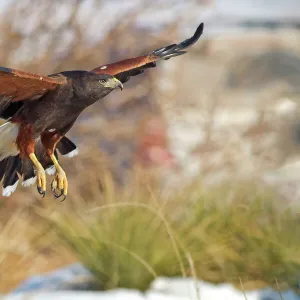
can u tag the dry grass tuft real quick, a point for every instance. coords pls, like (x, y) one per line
(231, 233)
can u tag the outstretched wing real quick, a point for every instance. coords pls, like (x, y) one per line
(124, 69)
(18, 85)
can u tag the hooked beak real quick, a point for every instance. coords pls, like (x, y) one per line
(118, 84)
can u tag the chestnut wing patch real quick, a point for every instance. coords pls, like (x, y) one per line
(18, 85)
(124, 69)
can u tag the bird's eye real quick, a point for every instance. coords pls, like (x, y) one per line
(102, 80)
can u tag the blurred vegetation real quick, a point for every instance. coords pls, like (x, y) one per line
(232, 232)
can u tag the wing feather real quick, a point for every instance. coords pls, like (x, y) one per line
(124, 69)
(18, 85)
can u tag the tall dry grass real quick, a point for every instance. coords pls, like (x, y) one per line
(232, 232)
(127, 237)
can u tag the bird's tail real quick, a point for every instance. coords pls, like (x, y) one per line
(67, 148)
(9, 169)
(9, 159)
(13, 168)
(8, 134)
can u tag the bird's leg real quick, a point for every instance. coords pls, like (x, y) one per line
(26, 142)
(59, 184)
(40, 174)
(60, 181)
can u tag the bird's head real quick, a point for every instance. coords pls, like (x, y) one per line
(109, 82)
(93, 86)
(89, 87)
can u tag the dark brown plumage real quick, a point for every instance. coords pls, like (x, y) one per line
(39, 111)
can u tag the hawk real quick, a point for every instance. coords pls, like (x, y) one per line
(37, 111)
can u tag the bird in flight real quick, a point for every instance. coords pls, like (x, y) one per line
(37, 111)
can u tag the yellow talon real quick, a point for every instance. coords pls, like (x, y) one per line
(60, 181)
(40, 174)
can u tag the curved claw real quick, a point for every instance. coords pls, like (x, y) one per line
(54, 189)
(59, 186)
(41, 183)
(64, 198)
(41, 192)
(40, 174)
(56, 195)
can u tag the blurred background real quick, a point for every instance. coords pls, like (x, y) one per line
(209, 140)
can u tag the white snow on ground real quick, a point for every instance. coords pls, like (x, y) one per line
(78, 295)
(189, 289)
(161, 289)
